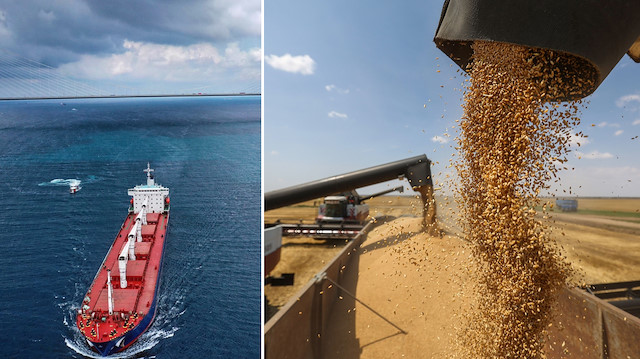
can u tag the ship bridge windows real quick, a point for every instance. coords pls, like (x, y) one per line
(153, 198)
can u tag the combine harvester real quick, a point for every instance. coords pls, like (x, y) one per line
(598, 35)
(348, 207)
(340, 216)
(343, 213)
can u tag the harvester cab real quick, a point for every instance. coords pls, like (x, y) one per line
(345, 207)
(341, 209)
(348, 207)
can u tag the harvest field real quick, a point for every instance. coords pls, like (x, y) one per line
(602, 240)
(419, 281)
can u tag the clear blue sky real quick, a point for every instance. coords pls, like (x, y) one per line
(353, 84)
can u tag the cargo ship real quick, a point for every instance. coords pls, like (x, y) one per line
(121, 302)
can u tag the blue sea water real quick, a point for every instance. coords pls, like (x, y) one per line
(206, 150)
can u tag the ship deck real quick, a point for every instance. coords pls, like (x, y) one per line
(133, 303)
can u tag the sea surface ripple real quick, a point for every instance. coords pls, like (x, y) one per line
(206, 150)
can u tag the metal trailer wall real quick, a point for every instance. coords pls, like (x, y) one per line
(296, 331)
(584, 326)
(588, 327)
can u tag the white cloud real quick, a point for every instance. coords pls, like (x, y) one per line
(334, 114)
(303, 64)
(274, 153)
(337, 89)
(618, 133)
(47, 16)
(594, 155)
(576, 141)
(5, 34)
(636, 122)
(624, 100)
(607, 124)
(242, 17)
(168, 63)
(439, 139)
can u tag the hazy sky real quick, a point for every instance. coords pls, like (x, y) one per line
(353, 84)
(145, 45)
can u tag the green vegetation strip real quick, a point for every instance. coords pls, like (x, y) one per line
(630, 216)
(610, 213)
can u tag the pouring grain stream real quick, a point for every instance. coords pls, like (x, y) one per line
(429, 223)
(512, 142)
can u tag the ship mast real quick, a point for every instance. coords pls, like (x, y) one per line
(110, 292)
(148, 170)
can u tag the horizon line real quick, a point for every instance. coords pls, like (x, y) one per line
(125, 96)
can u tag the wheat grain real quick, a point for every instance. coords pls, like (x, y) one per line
(512, 142)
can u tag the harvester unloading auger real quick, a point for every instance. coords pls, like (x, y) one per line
(594, 33)
(417, 170)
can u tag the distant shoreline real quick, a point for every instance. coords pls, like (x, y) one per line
(124, 96)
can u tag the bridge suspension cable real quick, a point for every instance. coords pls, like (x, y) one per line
(23, 78)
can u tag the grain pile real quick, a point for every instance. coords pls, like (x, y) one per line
(512, 143)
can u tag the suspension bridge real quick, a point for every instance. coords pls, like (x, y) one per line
(25, 79)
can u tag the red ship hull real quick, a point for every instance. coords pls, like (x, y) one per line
(133, 307)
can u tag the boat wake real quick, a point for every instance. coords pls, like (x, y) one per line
(62, 182)
(160, 329)
(71, 182)
(139, 349)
